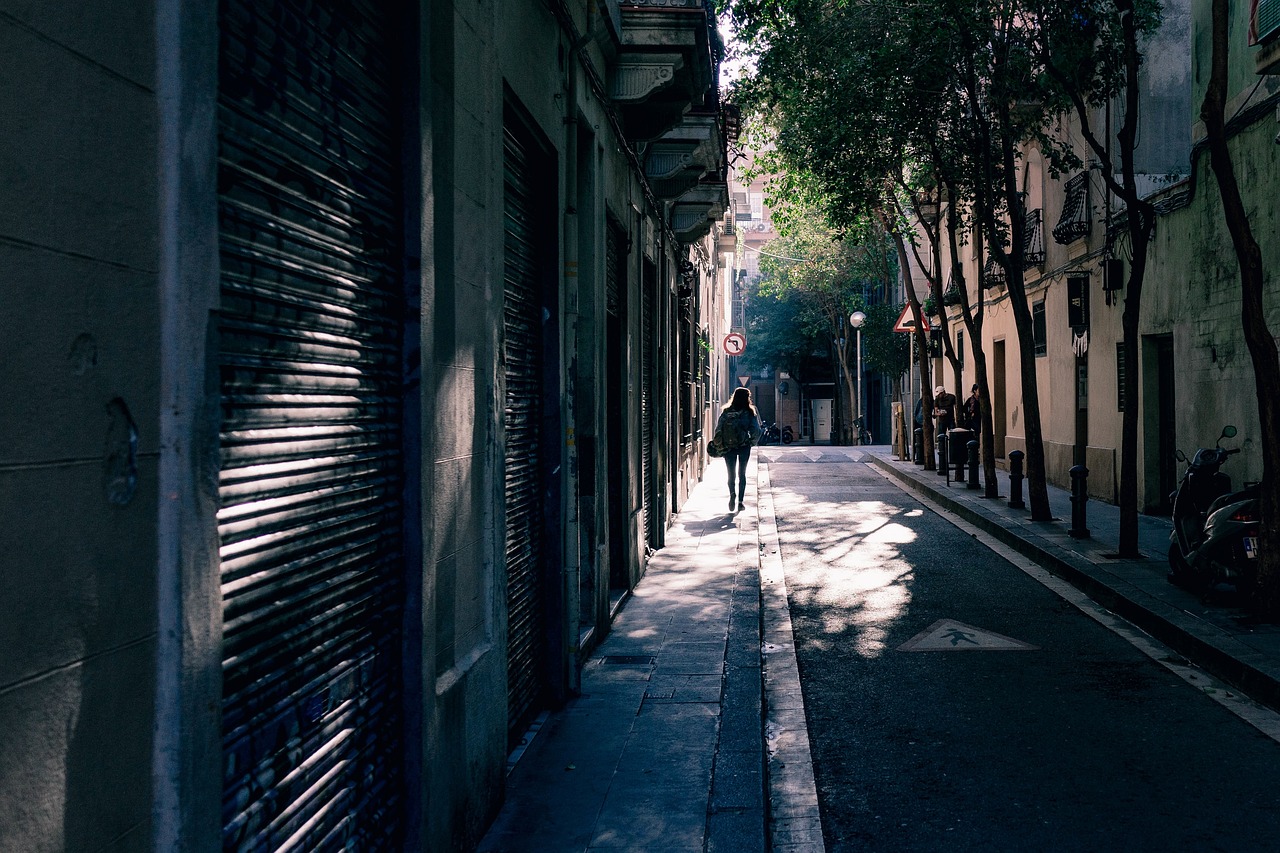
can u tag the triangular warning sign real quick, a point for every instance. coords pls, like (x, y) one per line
(948, 635)
(907, 322)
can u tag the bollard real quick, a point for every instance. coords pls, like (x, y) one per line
(957, 443)
(917, 446)
(1015, 479)
(973, 464)
(945, 471)
(1079, 497)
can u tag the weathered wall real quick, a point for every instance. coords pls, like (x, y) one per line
(1197, 300)
(80, 434)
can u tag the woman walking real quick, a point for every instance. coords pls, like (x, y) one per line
(736, 431)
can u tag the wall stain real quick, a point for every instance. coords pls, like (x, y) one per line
(121, 468)
(84, 354)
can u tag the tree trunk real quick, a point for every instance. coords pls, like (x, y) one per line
(1262, 346)
(1037, 482)
(922, 345)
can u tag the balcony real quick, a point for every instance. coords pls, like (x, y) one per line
(694, 212)
(664, 63)
(676, 161)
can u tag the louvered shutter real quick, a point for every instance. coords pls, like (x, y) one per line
(311, 452)
(527, 603)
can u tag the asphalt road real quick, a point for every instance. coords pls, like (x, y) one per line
(1013, 722)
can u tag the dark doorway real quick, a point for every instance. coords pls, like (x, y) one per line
(998, 398)
(615, 383)
(1166, 423)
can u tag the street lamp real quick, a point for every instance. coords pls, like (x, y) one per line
(856, 319)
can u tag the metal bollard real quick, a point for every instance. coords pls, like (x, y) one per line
(1015, 479)
(917, 446)
(973, 464)
(1079, 497)
(941, 441)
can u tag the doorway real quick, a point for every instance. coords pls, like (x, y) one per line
(998, 398)
(821, 420)
(1161, 422)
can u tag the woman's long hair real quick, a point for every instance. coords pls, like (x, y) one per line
(740, 402)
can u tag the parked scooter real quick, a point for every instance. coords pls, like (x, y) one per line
(772, 434)
(1215, 529)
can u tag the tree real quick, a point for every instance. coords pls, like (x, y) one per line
(1091, 51)
(824, 274)
(856, 91)
(1262, 346)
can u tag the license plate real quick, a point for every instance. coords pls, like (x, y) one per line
(1251, 547)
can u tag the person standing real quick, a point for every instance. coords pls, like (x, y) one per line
(944, 406)
(736, 431)
(972, 415)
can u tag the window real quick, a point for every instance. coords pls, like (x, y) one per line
(1038, 329)
(1265, 22)
(1033, 240)
(960, 348)
(1120, 377)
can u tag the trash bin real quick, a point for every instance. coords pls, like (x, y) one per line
(958, 449)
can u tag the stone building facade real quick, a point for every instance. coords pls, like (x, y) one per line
(358, 356)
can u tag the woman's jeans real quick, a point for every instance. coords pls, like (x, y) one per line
(737, 460)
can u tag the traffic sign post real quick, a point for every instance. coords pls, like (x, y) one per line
(734, 343)
(907, 323)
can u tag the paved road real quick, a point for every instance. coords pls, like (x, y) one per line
(1017, 723)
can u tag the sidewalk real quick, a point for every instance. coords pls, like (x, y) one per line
(664, 748)
(1218, 636)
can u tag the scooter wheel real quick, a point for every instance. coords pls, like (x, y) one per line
(786, 439)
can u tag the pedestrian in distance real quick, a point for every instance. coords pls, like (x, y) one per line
(736, 431)
(972, 411)
(944, 406)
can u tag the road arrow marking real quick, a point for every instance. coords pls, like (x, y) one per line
(948, 635)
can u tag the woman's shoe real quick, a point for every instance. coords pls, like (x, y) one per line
(731, 502)
(740, 506)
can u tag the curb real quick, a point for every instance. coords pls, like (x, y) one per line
(1211, 648)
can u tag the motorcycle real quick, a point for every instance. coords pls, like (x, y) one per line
(772, 434)
(1215, 529)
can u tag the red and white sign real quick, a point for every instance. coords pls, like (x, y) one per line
(734, 343)
(907, 323)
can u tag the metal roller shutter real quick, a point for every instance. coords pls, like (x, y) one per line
(647, 410)
(311, 456)
(525, 492)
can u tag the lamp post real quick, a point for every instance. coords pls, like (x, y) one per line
(856, 319)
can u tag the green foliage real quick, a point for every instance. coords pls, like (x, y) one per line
(811, 280)
(884, 350)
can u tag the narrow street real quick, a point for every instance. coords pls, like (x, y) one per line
(956, 703)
